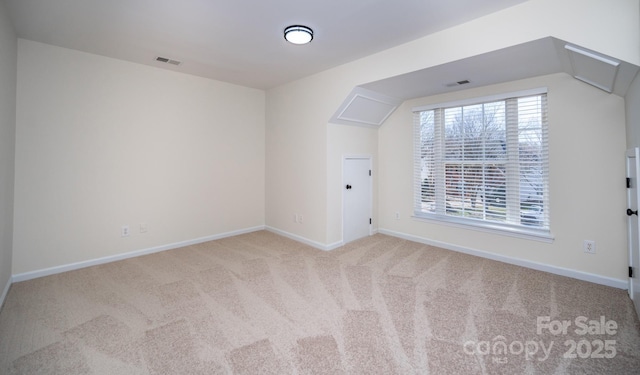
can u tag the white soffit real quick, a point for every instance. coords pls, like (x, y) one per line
(535, 58)
(365, 108)
(371, 103)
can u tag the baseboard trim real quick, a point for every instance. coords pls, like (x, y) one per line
(5, 291)
(575, 274)
(112, 258)
(306, 241)
(585, 276)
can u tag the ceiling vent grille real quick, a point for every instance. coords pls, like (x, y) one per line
(168, 61)
(459, 83)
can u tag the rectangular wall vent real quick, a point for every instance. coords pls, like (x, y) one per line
(168, 61)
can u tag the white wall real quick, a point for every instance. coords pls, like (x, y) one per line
(103, 142)
(632, 101)
(301, 148)
(305, 106)
(8, 61)
(633, 111)
(587, 163)
(347, 141)
(296, 161)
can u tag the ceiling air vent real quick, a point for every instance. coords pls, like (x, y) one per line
(168, 61)
(459, 83)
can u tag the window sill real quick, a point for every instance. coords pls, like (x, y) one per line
(493, 228)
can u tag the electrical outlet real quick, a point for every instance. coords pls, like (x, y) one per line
(144, 228)
(589, 246)
(124, 231)
(397, 215)
(300, 218)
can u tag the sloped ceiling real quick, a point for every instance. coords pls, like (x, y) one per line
(536, 58)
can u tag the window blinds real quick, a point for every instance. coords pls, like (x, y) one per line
(484, 162)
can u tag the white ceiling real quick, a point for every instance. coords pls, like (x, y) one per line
(239, 41)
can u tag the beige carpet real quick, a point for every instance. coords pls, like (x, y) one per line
(262, 304)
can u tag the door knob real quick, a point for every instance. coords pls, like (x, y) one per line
(631, 212)
(348, 187)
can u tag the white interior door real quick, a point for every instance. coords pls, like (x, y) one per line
(633, 167)
(356, 197)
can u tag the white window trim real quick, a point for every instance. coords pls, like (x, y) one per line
(487, 227)
(505, 229)
(483, 99)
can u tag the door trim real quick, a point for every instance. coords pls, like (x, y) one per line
(632, 153)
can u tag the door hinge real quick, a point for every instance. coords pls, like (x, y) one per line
(369, 220)
(630, 271)
(628, 182)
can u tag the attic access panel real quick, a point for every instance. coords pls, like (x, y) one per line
(593, 68)
(365, 108)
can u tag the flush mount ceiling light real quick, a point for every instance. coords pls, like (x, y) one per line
(298, 34)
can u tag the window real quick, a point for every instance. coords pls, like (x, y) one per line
(484, 163)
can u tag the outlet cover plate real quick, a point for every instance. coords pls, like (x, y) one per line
(589, 246)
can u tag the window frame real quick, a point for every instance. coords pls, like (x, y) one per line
(483, 225)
